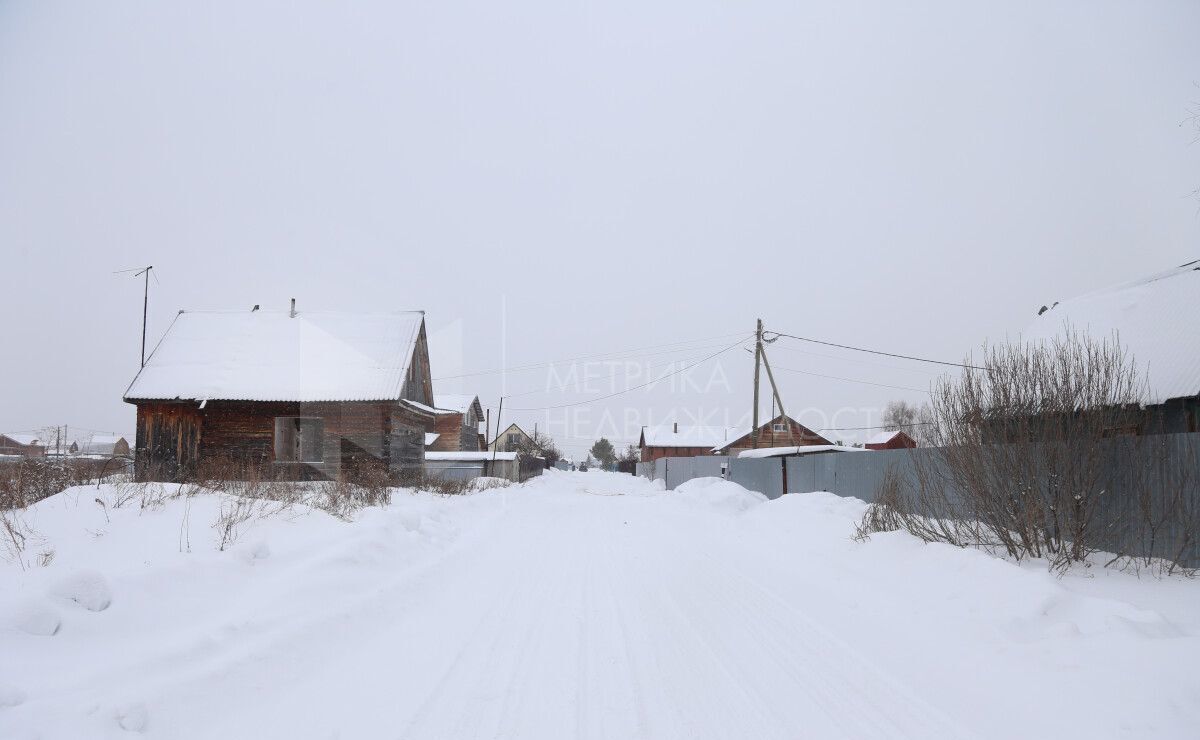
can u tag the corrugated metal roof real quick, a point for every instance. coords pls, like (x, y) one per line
(457, 402)
(802, 450)
(1155, 319)
(481, 455)
(689, 435)
(273, 356)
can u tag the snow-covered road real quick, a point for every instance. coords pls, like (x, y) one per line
(578, 606)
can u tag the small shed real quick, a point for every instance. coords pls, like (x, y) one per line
(471, 465)
(893, 440)
(310, 395)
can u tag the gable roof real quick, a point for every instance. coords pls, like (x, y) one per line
(273, 356)
(456, 402)
(743, 433)
(1153, 318)
(509, 428)
(883, 438)
(689, 435)
(23, 439)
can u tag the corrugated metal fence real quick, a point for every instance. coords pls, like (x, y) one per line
(859, 474)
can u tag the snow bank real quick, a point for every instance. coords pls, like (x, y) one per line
(719, 494)
(574, 605)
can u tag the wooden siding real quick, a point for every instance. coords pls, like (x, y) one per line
(456, 432)
(653, 453)
(768, 437)
(174, 438)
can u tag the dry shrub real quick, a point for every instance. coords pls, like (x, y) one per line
(1030, 451)
(27, 480)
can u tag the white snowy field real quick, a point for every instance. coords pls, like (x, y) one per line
(580, 605)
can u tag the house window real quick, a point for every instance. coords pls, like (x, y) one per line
(778, 428)
(299, 439)
(514, 439)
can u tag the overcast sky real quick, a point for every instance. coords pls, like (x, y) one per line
(551, 180)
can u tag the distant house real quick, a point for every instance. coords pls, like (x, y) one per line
(897, 440)
(313, 395)
(684, 440)
(456, 424)
(778, 432)
(63, 448)
(510, 440)
(105, 445)
(1155, 321)
(23, 445)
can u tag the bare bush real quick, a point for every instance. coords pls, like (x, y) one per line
(26, 481)
(1028, 457)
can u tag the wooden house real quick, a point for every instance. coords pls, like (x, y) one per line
(456, 424)
(510, 440)
(22, 445)
(782, 431)
(683, 440)
(105, 445)
(894, 440)
(306, 395)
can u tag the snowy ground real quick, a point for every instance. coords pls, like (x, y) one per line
(581, 605)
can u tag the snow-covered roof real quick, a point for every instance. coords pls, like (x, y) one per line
(456, 402)
(882, 438)
(469, 456)
(424, 407)
(272, 356)
(801, 450)
(744, 431)
(689, 435)
(23, 439)
(1154, 319)
(100, 444)
(430, 438)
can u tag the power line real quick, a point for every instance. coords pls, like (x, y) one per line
(844, 358)
(852, 380)
(874, 351)
(642, 385)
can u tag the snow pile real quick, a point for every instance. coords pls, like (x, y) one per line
(719, 494)
(575, 605)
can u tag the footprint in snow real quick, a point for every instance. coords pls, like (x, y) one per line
(88, 589)
(133, 717)
(35, 618)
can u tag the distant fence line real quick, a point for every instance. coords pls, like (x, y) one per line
(859, 475)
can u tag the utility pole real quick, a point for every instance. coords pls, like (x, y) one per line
(758, 354)
(145, 307)
(496, 440)
(775, 391)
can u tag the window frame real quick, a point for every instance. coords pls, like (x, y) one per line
(299, 445)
